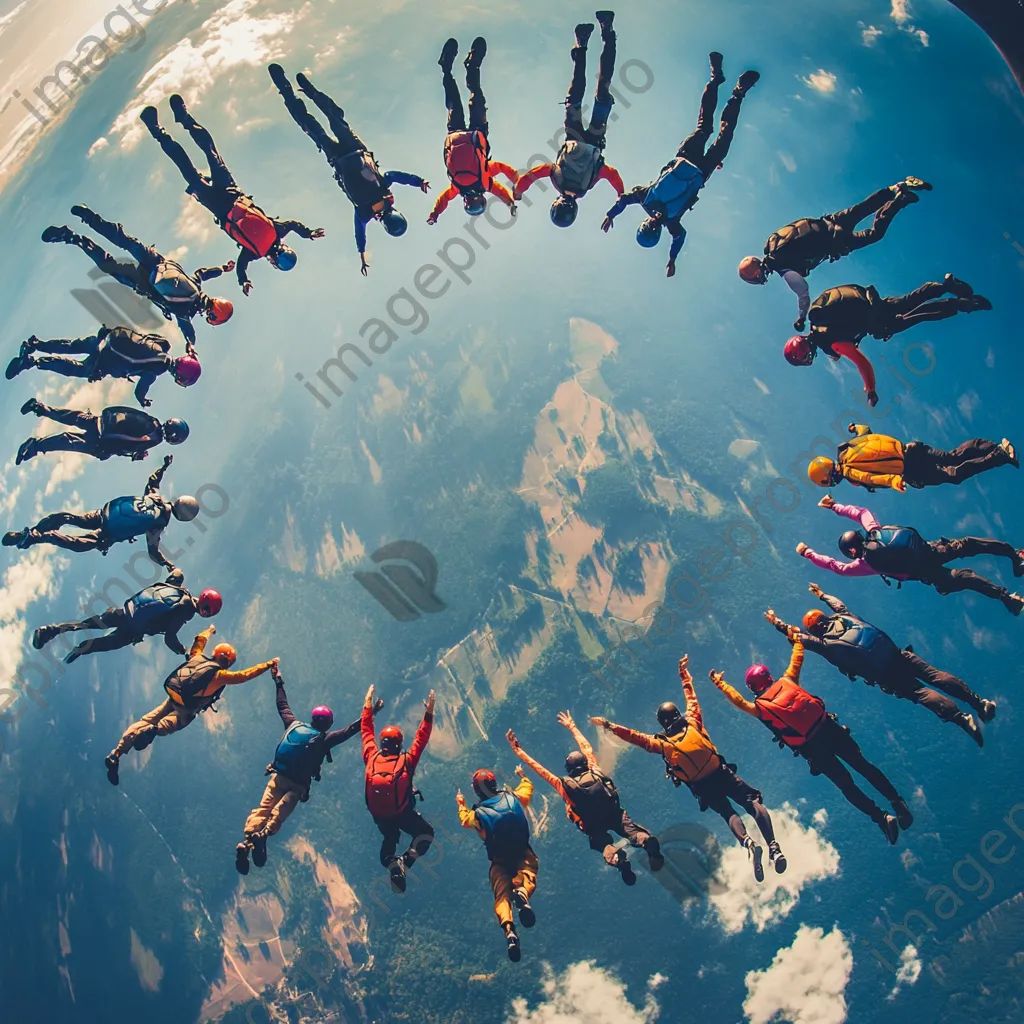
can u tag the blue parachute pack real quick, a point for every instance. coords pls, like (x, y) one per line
(675, 189)
(129, 517)
(505, 826)
(299, 752)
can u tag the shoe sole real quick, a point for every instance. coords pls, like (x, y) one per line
(758, 864)
(515, 953)
(242, 865)
(527, 915)
(780, 865)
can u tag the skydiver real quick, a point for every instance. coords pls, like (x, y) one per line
(676, 188)
(691, 758)
(117, 430)
(165, 283)
(297, 762)
(162, 609)
(795, 250)
(901, 553)
(192, 688)
(873, 460)
(859, 649)
(120, 519)
(390, 789)
(119, 352)
(355, 167)
(499, 818)
(842, 317)
(579, 164)
(257, 234)
(467, 150)
(592, 803)
(800, 722)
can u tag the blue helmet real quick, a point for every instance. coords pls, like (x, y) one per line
(563, 211)
(649, 233)
(475, 203)
(175, 431)
(394, 223)
(282, 257)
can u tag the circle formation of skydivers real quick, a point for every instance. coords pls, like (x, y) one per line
(840, 318)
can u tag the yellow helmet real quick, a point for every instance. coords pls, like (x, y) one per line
(821, 471)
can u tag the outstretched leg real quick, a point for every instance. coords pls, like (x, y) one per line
(577, 84)
(603, 98)
(128, 274)
(719, 149)
(952, 581)
(420, 831)
(348, 141)
(175, 152)
(220, 177)
(77, 346)
(969, 547)
(69, 417)
(452, 98)
(849, 218)
(477, 101)
(300, 115)
(108, 642)
(880, 225)
(693, 146)
(47, 531)
(115, 233)
(834, 771)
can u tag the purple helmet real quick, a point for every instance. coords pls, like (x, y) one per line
(758, 678)
(322, 718)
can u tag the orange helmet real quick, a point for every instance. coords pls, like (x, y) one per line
(752, 270)
(225, 654)
(814, 618)
(822, 471)
(219, 312)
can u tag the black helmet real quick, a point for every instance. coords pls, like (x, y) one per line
(852, 544)
(563, 211)
(475, 203)
(575, 763)
(668, 715)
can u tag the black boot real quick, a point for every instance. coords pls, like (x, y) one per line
(961, 289)
(512, 944)
(625, 869)
(242, 858)
(986, 710)
(1018, 565)
(903, 816)
(890, 828)
(279, 78)
(1011, 452)
(746, 82)
(83, 212)
(111, 762)
(18, 539)
(527, 917)
(259, 849)
(181, 115)
(449, 52)
(55, 234)
(150, 117)
(32, 405)
(777, 857)
(583, 34)
(717, 75)
(975, 304)
(43, 635)
(397, 871)
(26, 451)
(605, 19)
(655, 858)
(476, 54)
(756, 853)
(1013, 603)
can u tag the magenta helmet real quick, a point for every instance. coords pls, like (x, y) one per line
(758, 678)
(322, 718)
(187, 371)
(799, 351)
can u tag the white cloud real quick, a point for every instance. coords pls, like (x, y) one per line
(6, 20)
(586, 994)
(806, 982)
(743, 447)
(900, 11)
(909, 972)
(821, 81)
(28, 580)
(869, 34)
(967, 403)
(743, 901)
(820, 817)
(787, 161)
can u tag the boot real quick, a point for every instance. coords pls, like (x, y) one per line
(986, 712)
(150, 117)
(242, 858)
(22, 361)
(903, 816)
(259, 849)
(583, 34)
(746, 82)
(717, 75)
(756, 853)
(970, 726)
(82, 212)
(1011, 453)
(975, 304)
(1018, 566)
(512, 943)
(527, 917)
(397, 871)
(111, 762)
(777, 857)
(43, 635)
(26, 451)
(279, 78)
(32, 405)
(1014, 603)
(304, 84)
(449, 52)
(890, 828)
(605, 19)
(655, 858)
(186, 120)
(625, 868)
(18, 539)
(54, 234)
(476, 54)
(961, 289)
(912, 184)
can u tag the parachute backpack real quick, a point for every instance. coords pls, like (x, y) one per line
(465, 158)
(189, 684)
(130, 517)
(147, 607)
(389, 789)
(299, 753)
(173, 285)
(593, 797)
(576, 167)
(361, 181)
(134, 348)
(892, 549)
(250, 227)
(675, 190)
(691, 753)
(505, 826)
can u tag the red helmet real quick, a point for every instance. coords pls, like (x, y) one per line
(322, 718)
(814, 618)
(225, 654)
(219, 311)
(485, 784)
(210, 602)
(752, 270)
(391, 739)
(799, 351)
(187, 371)
(758, 678)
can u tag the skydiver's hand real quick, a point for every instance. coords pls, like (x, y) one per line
(425, 187)
(872, 397)
(716, 677)
(815, 590)
(517, 195)
(800, 324)
(512, 209)
(801, 549)
(168, 459)
(364, 267)
(851, 428)
(368, 701)
(429, 703)
(228, 267)
(460, 799)
(899, 484)
(670, 269)
(520, 772)
(274, 663)
(145, 402)
(432, 219)
(601, 723)
(684, 669)
(827, 501)
(771, 616)
(377, 705)
(793, 634)
(247, 287)
(317, 233)
(513, 742)
(607, 224)
(565, 718)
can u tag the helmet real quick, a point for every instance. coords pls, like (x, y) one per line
(752, 270)
(799, 351)
(322, 718)
(282, 257)
(484, 783)
(185, 508)
(649, 233)
(758, 678)
(563, 211)
(821, 471)
(814, 618)
(852, 544)
(668, 713)
(219, 312)
(475, 203)
(175, 431)
(210, 602)
(225, 654)
(576, 763)
(394, 223)
(391, 739)
(186, 371)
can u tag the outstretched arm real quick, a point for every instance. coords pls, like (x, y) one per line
(244, 259)
(188, 332)
(833, 602)
(369, 733)
(172, 641)
(243, 675)
(157, 476)
(145, 382)
(859, 567)
(419, 743)
(283, 708)
(612, 176)
(782, 627)
(532, 175)
(796, 659)
(692, 704)
(441, 203)
(209, 273)
(551, 779)
(643, 740)
(859, 476)
(566, 719)
(863, 364)
(734, 696)
(405, 178)
(634, 195)
(199, 644)
(337, 736)
(153, 548)
(286, 227)
(497, 189)
(798, 285)
(497, 167)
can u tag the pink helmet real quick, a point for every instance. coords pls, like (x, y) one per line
(187, 371)
(322, 718)
(752, 270)
(799, 351)
(758, 678)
